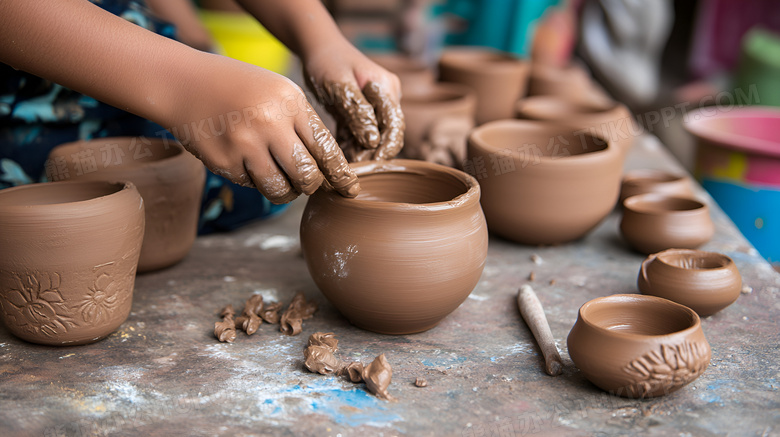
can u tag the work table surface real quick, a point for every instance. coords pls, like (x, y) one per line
(164, 373)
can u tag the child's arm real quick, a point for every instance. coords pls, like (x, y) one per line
(249, 124)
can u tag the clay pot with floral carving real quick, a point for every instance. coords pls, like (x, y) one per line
(69, 258)
(403, 254)
(169, 179)
(643, 181)
(542, 183)
(706, 282)
(438, 120)
(412, 72)
(498, 78)
(654, 222)
(638, 346)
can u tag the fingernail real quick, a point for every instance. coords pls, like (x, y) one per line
(354, 190)
(371, 138)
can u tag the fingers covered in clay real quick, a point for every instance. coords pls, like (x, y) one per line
(347, 103)
(390, 120)
(269, 179)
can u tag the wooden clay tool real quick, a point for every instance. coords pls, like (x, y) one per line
(533, 314)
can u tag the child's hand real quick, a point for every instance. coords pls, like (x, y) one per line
(257, 129)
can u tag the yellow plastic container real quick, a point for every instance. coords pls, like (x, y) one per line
(241, 37)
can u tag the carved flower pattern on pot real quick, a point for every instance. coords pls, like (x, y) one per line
(36, 304)
(667, 369)
(99, 301)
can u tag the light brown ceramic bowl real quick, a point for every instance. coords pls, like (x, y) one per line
(68, 260)
(541, 183)
(412, 73)
(706, 282)
(169, 179)
(638, 346)
(571, 83)
(498, 78)
(402, 255)
(654, 222)
(643, 181)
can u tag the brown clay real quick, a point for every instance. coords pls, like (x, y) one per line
(543, 183)
(654, 181)
(606, 119)
(655, 222)
(68, 259)
(169, 179)
(498, 78)
(378, 376)
(420, 382)
(270, 313)
(402, 255)
(438, 117)
(412, 73)
(638, 346)
(533, 314)
(291, 322)
(225, 331)
(572, 83)
(706, 282)
(250, 319)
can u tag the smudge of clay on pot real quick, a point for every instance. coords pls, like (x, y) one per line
(390, 120)
(169, 179)
(412, 73)
(543, 183)
(68, 261)
(402, 255)
(644, 181)
(706, 282)
(299, 310)
(655, 222)
(337, 173)
(225, 331)
(638, 346)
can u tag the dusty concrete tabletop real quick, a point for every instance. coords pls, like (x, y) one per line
(164, 373)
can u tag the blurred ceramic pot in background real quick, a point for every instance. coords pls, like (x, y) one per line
(644, 181)
(402, 255)
(169, 179)
(542, 183)
(69, 257)
(412, 72)
(572, 83)
(499, 79)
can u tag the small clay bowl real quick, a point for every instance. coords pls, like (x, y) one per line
(643, 181)
(169, 179)
(607, 119)
(571, 83)
(403, 254)
(654, 222)
(498, 78)
(706, 282)
(69, 257)
(542, 183)
(428, 109)
(412, 73)
(638, 346)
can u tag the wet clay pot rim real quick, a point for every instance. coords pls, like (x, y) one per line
(437, 94)
(548, 107)
(521, 128)
(483, 60)
(410, 166)
(60, 198)
(638, 304)
(396, 62)
(663, 204)
(718, 261)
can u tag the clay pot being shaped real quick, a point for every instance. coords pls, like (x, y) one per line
(402, 255)
(498, 78)
(542, 183)
(412, 72)
(638, 346)
(438, 120)
(643, 181)
(608, 119)
(572, 83)
(654, 222)
(69, 257)
(169, 179)
(706, 282)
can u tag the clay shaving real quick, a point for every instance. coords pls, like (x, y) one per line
(319, 357)
(225, 330)
(299, 310)
(250, 318)
(256, 312)
(420, 382)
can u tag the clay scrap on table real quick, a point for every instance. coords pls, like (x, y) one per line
(420, 382)
(250, 319)
(225, 330)
(299, 310)
(319, 357)
(256, 312)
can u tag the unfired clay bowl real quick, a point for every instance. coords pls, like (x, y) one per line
(638, 346)
(541, 183)
(498, 78)
(643, 181)
(572, 83)
(68, 260)
(654, 222)
(412, 73)
(607, 119)
(402, 255)
(706, 282)
(438, 120)
(169, 179)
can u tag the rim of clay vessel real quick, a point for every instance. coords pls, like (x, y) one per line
(57, 199)
(456, 187)
(657, 204)
(479, 59)
(491, 137)
(691, 259)
(639, 317)
(650, 176)
(165, 150)
(397, 62)
(550, 107)
(439, 93)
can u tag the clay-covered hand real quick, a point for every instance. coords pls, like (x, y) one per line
(364, 99)
(257, 129)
